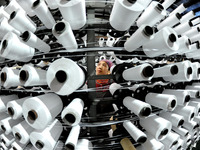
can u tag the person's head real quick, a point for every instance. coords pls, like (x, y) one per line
(103, 67)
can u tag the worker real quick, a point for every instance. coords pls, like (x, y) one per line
(103, 68)
(102, 86)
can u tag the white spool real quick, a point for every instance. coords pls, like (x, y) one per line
(194, 48)
(13, 6)
(192, 32)
(7, 124)
(9, 77)
(101, 42)
(197, 119)
(136, 86)
(47, 138)
(175, 46)
(168, 3)
(102, 57)
(195, 104)
(50, 106)
(164, 42)
(73, 12)
(26, 5)
(41, 10)
(5, 27)
(52, 4)
(181, 8)
(175, 119)
(180, 144)
(184, 45)
(193, 93)
(192, 87)
(163, 126)
(110, 42)
(138, 107)
(126, 11)
(152, 143)
(195, 84)
(71, 114)
(190, 126)
(3, 146)
(195, 38)
(164, 101)
(3, 13)
(195, 26)
(135, 133)
(196, 69)
(84, 144)
(152, 14)
(31, 76)
(139, 37)
(64, 76)
(183, 27)
(17, 146)
(187, 16)
(72, 138)
(169, 21)
(187, 140)
(22, 131)
(4, 99)
(167, 70)
(12, 48)
(181, 131)
(171, 139)
(14, 108)
(143, 72)
(183, 97)
(185, 72)
(194, 54)
(63, 32)
(32, 40)
(194, 134)
(20, 21)
(7, 139)
(187, 112)
(195, 21)
(113, 87)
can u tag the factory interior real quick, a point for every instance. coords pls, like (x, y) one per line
(99, 75)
